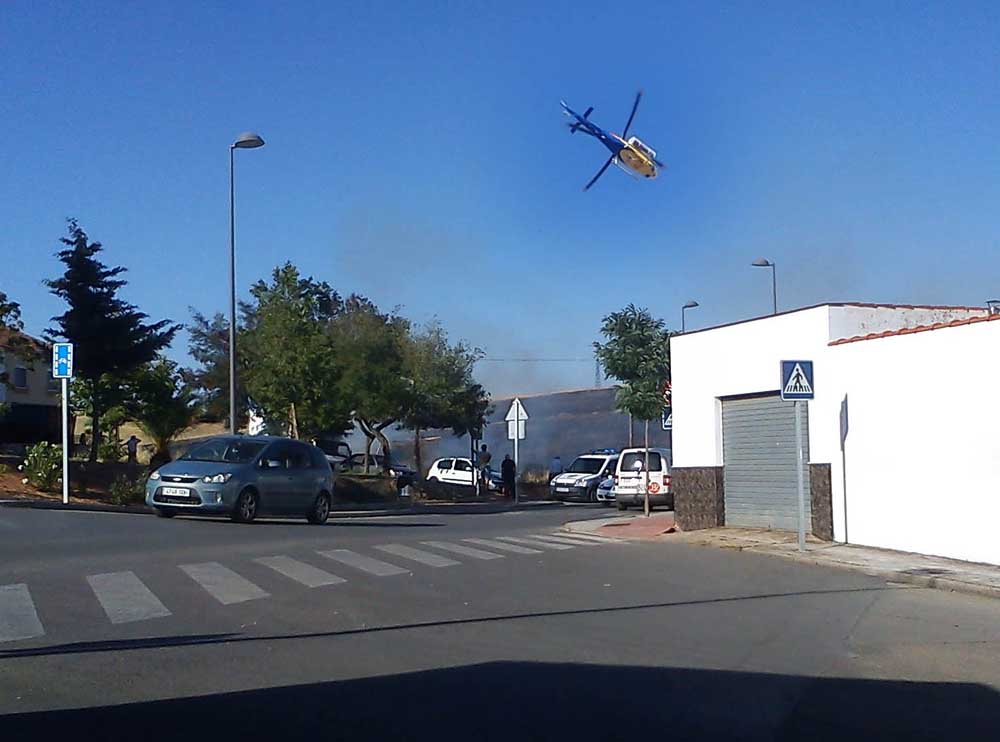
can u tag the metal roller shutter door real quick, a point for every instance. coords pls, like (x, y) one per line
(759, 458)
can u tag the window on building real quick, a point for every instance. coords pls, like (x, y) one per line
(20, 377)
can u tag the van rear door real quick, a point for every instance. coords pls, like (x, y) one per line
(632, 475)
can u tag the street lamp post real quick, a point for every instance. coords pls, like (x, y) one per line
(690, 305)
(765, 263)
(247, 140)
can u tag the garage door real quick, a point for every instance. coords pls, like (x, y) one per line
(758, 448)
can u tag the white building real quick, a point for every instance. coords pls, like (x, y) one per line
(920, 390)
(29, 396)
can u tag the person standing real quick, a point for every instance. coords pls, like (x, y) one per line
(555, 468)
(508, 473)
(132, 446)
(485, 457)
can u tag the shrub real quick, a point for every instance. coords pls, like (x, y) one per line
(110, 450)
(126, 491)
(4, 469)
(42, 466)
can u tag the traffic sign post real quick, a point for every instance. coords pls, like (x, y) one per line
(516, 418)
(797, 385)
(62, 368)
(667, 416)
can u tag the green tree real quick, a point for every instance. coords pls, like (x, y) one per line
(442, 392)
(290, 370)
(370, 346)
(208, 383)
(636, 352)
(111, 337)
(160, 404)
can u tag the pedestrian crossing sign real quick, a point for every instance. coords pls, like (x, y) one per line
(797, 380)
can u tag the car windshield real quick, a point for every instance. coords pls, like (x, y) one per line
(225, 450)
(586, 465)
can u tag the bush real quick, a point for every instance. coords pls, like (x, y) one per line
(110, 450)
(42, 466)
(126, 491)
(4, 469)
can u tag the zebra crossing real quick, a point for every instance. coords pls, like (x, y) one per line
(126, 599)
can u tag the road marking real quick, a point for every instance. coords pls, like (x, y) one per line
(549, 538)
(588, 538)
(303, 573)
(222, 583)
(502, 546)
(530, 542)
(424, 557)
(18, 619)
(124, 597)
(366, 564)
(463, 550)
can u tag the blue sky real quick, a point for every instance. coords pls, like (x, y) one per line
(416, 153)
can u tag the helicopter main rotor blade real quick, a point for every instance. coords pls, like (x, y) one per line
(599, 173)
(631, 116)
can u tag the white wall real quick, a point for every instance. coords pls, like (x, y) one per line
(743, 359)
(923, 449)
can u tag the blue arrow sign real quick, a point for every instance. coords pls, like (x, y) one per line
(62, 361)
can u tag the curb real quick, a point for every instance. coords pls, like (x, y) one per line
(927, 581)
(81, 506)
(934, 582)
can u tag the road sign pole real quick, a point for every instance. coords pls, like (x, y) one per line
(65, 440)
(517, 436)
(798, 472)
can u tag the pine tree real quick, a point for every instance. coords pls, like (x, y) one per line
(110, 336)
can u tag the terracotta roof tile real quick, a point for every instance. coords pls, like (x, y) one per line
(918, 328)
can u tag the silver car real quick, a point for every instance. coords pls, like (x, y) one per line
(243, 477)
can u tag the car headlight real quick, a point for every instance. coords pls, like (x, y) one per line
(155, 475)
(217, 478)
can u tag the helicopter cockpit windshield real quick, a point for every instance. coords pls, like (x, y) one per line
(639, 145)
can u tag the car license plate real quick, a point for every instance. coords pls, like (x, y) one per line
(562, 489)
(176, 491)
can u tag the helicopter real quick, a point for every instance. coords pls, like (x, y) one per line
(629, 153)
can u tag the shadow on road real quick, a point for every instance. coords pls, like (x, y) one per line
(539, 701)
(233, 638)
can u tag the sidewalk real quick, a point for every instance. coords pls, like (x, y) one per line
(895, 566)
(339, 510)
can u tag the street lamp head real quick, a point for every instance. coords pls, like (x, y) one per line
(762, 263)
(690, 305)
(248, 140)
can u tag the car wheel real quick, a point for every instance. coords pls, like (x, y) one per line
(622, 506)
(320, 509)
(165, 512)
(246, 506)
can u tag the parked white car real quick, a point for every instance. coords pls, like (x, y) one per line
(606, 490)
(458, 471)
(632, 480)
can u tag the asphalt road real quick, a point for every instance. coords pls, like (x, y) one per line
(465, 627)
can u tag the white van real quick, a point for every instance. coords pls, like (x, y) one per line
(632, 480)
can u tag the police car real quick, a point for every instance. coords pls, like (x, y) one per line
(581, 480)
